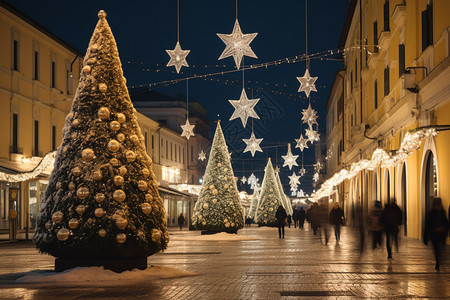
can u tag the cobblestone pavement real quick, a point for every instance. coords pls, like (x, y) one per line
(297, 267)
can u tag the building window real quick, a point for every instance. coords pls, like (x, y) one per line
(167, 149)
(145, 139)
(171, 151)
(53, 138)
(356, 71)
(15, 55)
(176, 153)
(401, 59)
(53, 75)
(192, 153)
(375, 94)
(351, 82)
(179, 153)
(183, 155)
(36, 138)
(15, 133)
(36, 66)
(386, 15)
(375, 37)
(68, 75)
(153, 142)
(427, 26)
(387, 87)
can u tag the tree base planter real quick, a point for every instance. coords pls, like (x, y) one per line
(206, 232)
(117, 265)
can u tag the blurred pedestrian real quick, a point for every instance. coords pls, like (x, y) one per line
(295, 217)
(301, 217)
(181, 221)
(323, 219)
(336, 220)
(436, 229)
(281, 219)
(289, 220)
(375, 226)
(389, 220)
(313, 216)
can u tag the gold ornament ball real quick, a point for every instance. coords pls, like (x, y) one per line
(58, 185)
(214, 201)
(214, 192)
(121, 223)
(73, 223)
(142, 185)
(271, 209)
(226, 186)
(102, 233)
(48, 225)
(134, 139)
(145, 172)
(123, 170)
(211, 187)
(156, 235)
(76, 171)
(219, 165)
(114, 162)
(119, 196)
(227, 224)
(148, 197)
(205, 206)
(200, 217)
(114, 125)
(73, 135)
(75, 122)
(235, 214)
(118, 180)
(97, 175)
(72, 185)
(102, 87)
(271, 190)
(101, 14)
(121, 118)
(87, 154)
(121, 238)
(103, 113)
(131, 156)
(113, 146)
(120, 137)
(57, 217)
(99, 212)
(82, 192)
(87, 70)
(232, 224)
(99, 197)
(146, 208)
(63, 234)
(94, 48)
(203, 222)
(80, 209)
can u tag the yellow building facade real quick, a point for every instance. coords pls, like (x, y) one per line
(396, 79)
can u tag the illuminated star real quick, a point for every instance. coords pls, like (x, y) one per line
(318, 166)
(302, 143)
(312, 135)
(302, 172)
(289, 159)
(187, 129)
(277, 170)
(244, 108)
(253, 144)
(294, 179)
(202, 155)
(178, 57)
(307, 83)
(309, 115)
(237, 44)
(316, 177)
(243, 179)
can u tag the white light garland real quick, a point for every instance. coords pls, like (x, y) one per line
(47, 161)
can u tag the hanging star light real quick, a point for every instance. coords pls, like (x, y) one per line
(289, 159)
(277, 170)
(316, 177)
(244, 179)
(253, 144)
(294, 179)
(309, 115)
(178, 57)
(307, 83)
(237, 44)
(244, 108)
(187, 129)
(300, 193)
(302, 143)
(318, 166)
(302, 171)
(202, 156)
(313, 136)
(293, 190)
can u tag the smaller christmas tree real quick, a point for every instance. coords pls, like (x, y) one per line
(218, 208)
(270, 198)
(254, 204)
(286, 201)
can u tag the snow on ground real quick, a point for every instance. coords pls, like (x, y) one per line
(222, 236)
(98, 275)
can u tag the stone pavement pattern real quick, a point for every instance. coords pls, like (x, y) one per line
(298, 267)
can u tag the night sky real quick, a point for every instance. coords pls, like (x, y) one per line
(145, 29)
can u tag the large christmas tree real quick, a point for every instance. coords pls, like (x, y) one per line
(269, 199)
(102, 201)
(286, 201)
(218, 208)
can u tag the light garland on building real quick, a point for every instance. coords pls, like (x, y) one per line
(380, 158)
(47, 161)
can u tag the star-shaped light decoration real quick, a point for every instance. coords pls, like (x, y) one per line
(294, 179)
(302, 143)
(301, 193)
(307, 83)
(289, 159)
(243, 179)
(293, 190)
(302, 171)
(309, 115)
(244, 108)
(188, 129)
(237, 44)
(318, 166)
(178, 57)
(316, 177)
(277, 170)
(253, 144)
(202, 156)
(313, 136)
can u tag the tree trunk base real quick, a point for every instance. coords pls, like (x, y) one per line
(117, 265)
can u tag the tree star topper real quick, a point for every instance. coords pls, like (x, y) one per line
(237, 44)
(307, 83)
(244, 108)
(302, 143)
(178, 57)
(289, 159)
(202, 155)
(188, 129)
(253, 144)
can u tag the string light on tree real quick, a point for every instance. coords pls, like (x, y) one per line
(253, 144)
(289, 158)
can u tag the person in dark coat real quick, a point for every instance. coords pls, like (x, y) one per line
(301, 217)
(375, 226)
(436, 229)
(295, 217)
(313, 217)
(323, 220)
(181, 221)
(281, 219)
(390, 220)
(289, 220)
(336, 219)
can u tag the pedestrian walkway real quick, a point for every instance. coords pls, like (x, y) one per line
(297, 267)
